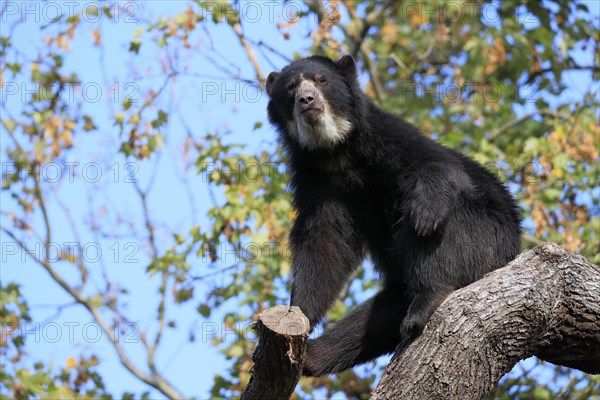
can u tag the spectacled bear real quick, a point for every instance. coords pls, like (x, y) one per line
(365, 181)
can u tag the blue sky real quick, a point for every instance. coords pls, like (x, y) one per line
(190, 366)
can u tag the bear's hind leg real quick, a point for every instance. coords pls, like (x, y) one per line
(369, 331)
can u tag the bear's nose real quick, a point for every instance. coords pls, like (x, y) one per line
(306, 97)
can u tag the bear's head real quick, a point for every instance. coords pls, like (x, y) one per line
(313, 101)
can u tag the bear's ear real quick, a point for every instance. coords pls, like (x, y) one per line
(270, 80)
(348, 65)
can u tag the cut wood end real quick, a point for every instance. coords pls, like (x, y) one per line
(285, 320)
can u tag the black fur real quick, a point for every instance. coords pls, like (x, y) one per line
(431, 219)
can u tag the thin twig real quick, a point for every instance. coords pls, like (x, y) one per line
(524, 118)
(367, 22)
(237, 28)
(210, 274)
(156, 381)
(82, 270)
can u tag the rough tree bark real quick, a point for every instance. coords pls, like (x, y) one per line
(545, 303)
(279, 357)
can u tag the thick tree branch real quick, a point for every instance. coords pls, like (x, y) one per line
(545, 303)
(279, 357)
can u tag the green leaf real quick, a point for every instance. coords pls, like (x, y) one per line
(9, 124)
(532, 145)
(134, 46)
(126, 103)
(155, 142)
(204, 310)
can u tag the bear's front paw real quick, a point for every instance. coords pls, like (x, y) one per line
(427, 217)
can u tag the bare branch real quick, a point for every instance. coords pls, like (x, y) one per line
(155, 380)
(79, 260)
(366, 22)
(510, 125)
(237, 28)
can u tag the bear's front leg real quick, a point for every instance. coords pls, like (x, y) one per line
(435, 193)
(326, 250)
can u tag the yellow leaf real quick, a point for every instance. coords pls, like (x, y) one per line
(389, 32)
(416, 20)
(557, 172)
(67, 138)
(71, 362)
(97, 37)
(68, 256)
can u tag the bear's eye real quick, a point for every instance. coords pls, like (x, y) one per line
(322, 80)
(291, 86)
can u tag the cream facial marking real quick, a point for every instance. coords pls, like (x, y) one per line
(322, 129)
